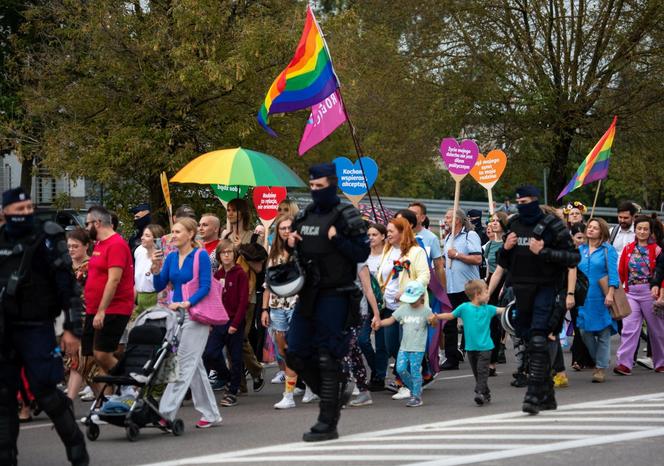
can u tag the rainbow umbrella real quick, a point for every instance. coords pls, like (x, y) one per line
(238, 167)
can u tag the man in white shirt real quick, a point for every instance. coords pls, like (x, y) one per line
(430, 241)
(623, 233)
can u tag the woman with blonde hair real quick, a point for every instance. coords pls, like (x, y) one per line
(178, 269)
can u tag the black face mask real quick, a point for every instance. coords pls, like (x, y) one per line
(530, 213)
(19, 225)
(325, 198)
(141, 223)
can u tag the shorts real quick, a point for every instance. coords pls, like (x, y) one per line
(107, 338)
(280, 319)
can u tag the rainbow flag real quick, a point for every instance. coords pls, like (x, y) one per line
(308, 79)
(596, 165)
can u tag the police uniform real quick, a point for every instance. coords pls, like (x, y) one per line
(537, 280)
(36, 284)
(318, 337)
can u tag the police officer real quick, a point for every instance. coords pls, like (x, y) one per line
(537, 251)
(36, 284)
(330, 240)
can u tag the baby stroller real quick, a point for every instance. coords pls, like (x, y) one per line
(153, 339)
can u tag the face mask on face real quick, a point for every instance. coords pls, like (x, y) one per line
(325, 198)
(19, 225)
(529, 213)
(141, 223)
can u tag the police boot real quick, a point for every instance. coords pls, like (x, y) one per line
(8, 427)
(59, 409)
(330, 392)
(549, 400)
(539, 374)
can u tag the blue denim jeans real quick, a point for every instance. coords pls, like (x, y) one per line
(376, 359)
(599, 346)
(409, 368)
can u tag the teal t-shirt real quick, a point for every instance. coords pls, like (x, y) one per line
(414, 324)
(476, 325)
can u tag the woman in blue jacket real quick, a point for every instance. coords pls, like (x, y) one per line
(598, 259)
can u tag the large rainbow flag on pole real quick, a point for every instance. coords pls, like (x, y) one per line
(307, 80)
(596, 165)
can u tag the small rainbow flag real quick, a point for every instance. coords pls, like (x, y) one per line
(596, 165)
(308, 79)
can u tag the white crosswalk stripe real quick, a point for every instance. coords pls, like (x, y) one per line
(467, 441)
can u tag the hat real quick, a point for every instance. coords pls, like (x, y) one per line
(14, 195)
(322, 170)
(475, 213)
(253, 252)
(414, 291)
(527, 191)
(140, 207)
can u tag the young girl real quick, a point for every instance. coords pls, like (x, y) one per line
(413, 315)
(277, 312)
(235, 297)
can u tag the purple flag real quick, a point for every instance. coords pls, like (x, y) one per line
(326, 116)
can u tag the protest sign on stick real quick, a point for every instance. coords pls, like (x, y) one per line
(488, 170)
(266, 203)
(459, 160)
(352, 181)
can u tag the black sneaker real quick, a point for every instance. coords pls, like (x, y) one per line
(393, 386)
(377, 385)
(259, 383)
(228, 400)
(501, 355)
(449, 366)
(479, 399)
(492, 372)
(219, 385)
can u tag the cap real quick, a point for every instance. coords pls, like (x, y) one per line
(322, 170)
(14, 195)
(414, 291)
(140, 207)
(475, 213)
(527, 191)
(253, 252)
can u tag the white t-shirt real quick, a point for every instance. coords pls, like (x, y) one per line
(142, 275)
(373, 262)
(392, 287)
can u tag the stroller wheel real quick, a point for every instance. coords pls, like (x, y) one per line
(132, 431)
(92, 432)
(178, 427)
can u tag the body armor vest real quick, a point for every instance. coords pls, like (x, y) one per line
(335, 269)
(527, 267)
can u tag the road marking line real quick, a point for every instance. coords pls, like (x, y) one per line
(37, 426)
(402, 459)
(396, 446)
(480, 437)
(535, 449)
(610, 411)
(546, 418)
(456, 425)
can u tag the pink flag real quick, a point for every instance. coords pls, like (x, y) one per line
(326, 116)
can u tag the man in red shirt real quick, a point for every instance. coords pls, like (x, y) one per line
(109, 289)
(208, 229)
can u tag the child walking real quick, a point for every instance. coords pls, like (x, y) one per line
(476, 316)
(413, 315)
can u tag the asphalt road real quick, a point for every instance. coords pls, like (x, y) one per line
(618, 422)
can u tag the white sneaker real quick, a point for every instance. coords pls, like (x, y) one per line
(279, 377)
(88, 396)
(309, 396)
(402, 394)
(286, 402)
(356, 391)
(95, 420)
(645, 362)
(86, 391)
(298, 391)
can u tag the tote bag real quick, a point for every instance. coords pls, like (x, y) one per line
(620, 307)
(210, 310)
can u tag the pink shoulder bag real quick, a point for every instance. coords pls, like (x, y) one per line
(210, 310)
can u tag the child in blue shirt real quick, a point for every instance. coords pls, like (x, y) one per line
(476, 316)
(414, 316)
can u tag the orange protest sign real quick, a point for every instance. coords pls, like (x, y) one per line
(488, 170)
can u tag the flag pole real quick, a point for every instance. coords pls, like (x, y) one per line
(592, 211)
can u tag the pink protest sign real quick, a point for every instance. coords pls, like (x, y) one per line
(266, 201)
(459, 158)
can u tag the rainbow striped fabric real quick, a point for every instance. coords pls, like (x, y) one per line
(307, 80)
(596, 165)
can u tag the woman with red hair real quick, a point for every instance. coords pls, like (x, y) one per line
(403, 260)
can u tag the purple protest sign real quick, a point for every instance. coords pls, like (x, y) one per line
(459, 159)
